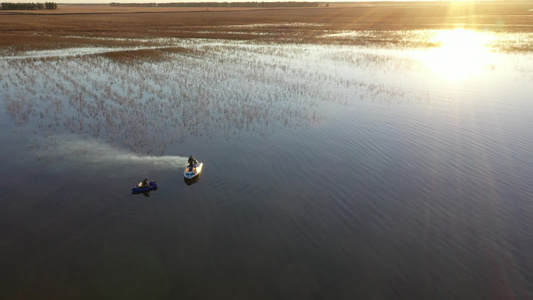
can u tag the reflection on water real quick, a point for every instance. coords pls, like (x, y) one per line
(336, 171)
(429, 38)
(461, 54)
(224, 90)
(145, 107)
(145, 194)
(219, 90)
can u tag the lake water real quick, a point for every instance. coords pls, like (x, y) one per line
(332, 171)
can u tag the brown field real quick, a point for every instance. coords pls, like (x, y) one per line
(79, 25)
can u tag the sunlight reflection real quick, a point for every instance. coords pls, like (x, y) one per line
(462, 54)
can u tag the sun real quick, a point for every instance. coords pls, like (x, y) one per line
(460, 54)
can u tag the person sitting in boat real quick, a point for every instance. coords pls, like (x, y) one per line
(144, 183)
(192, 161)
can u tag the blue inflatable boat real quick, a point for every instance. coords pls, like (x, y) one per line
(139, 189)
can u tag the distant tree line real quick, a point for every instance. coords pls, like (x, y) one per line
(219, 4)
(28, 6)
(134, 4)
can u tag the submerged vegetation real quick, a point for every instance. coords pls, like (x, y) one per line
(146, 81)
(147, 99)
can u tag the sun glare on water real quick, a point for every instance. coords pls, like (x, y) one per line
(461, 54)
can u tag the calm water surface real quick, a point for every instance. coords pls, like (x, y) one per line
(331, 172)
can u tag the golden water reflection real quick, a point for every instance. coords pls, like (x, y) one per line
(461, 54)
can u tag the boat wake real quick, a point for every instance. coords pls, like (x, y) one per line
(76, 151)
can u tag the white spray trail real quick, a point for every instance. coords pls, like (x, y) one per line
(64, 149)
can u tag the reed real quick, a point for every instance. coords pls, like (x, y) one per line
(93, 26)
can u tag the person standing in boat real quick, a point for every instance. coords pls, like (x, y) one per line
(192, 161)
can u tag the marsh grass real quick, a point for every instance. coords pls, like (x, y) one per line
(104, 26)
(140, 56)
(145, 105)
(147, 81)
(146, 99)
